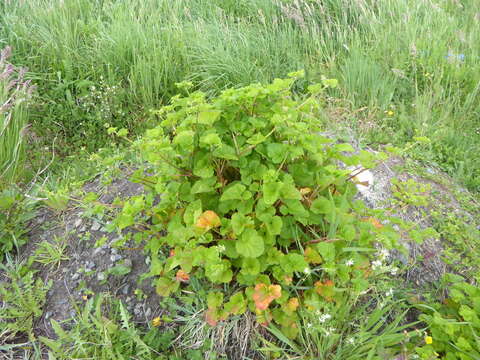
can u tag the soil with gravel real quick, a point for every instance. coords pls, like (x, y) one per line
(90, 270)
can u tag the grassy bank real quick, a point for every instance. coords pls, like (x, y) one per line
(406, 68)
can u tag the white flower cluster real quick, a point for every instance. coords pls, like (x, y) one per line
(376, 264)
(325, 317)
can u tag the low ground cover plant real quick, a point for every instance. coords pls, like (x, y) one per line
(454, 324)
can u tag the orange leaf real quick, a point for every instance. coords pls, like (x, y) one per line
(182, 276)
(292, 304)
(264, 294)
(377, 224)
(208, 220)
(305, 191)
(325, 289)
(211, 317)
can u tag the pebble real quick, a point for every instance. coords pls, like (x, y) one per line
(62, 301)
(48, 314)
(125, 289)
(78, 223)
(114, 251)
(75, 276)
(115, 257)
(98, 251)
(148, 313)
(96, 226)
(101, 276)
(82, 229)
(127, 263)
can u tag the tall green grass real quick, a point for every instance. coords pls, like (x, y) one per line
(391, 54)
(14, 93)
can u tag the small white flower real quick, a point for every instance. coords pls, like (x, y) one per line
(307, 271)
(329, 331)
(309, 326)
(389, 292)
(394, 270)
(221, 248)
(349, 262)
(376, 264)
(324, 317)
(351, 341)
(383, 254)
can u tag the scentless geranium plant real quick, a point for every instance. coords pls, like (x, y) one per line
(245, 192)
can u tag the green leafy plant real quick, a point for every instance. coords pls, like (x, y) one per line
(354, 329)
(15, 211)
(102, 321)
(51, 253)
(22, 298)
(251, 194)
(454, 325)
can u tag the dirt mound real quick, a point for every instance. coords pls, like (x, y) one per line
(92, 269)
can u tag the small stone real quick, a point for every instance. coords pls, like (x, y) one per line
(101, 276)
(48, 314)
(125, 289)
(114, 251)
(127, 263)
(82, 229)
(98, 251)
(62, 301)
(115, 257)
(75, 276)
(78, 223)
(96, 226)
(148, 313)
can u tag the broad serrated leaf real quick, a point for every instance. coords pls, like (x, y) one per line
(236, 305)
(240, 222)
(271, 192)
(208, 117)
(264, 294)
(233, 192)
(322, 206)
(293, 262)
(210, 139)
(204, 185)
(250, 244)
(208, 220)
(250, 266)
(326, 251)
(277, 152)
(166, 286)
(226, 152)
